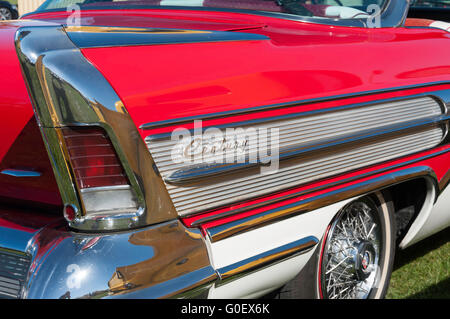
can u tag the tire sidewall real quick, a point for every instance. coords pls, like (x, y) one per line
(387, 222)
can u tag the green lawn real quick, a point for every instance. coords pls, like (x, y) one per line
(12, 1)
(422, 271)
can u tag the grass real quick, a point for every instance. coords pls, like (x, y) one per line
(422, 271)
(12, 1)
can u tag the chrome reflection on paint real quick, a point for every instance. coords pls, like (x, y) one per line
(20, 173)
(94, 37)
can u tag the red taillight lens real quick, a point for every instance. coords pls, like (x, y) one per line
(104, 187)
(94, 160)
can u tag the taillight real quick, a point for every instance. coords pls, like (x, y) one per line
(97, 169)
(94, 160)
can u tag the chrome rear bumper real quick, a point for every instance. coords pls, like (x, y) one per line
(163, 261)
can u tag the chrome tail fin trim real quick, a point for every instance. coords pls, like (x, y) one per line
(67, 90)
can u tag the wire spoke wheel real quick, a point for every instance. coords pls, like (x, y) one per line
(5, 14)
(357, 252)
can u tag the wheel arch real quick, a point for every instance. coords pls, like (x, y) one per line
(393, 187)
(413, 201)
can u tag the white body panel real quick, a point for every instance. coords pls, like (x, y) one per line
(432, 218)
(261, 282)
(249, 244)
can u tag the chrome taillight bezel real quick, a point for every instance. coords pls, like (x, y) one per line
(68, 91)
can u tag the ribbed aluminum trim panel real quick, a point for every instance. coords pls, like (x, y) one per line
(13, 273)
(189, 199)
(308, 130)
(315, 128)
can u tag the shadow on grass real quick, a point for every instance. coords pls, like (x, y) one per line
(403, 257)
(438, 291)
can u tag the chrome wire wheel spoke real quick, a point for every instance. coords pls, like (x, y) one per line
(350, 265)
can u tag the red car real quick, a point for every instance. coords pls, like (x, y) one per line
(219, 148)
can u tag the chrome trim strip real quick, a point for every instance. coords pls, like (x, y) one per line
(20, 173)
(108, 188)
(96, 37)
(192, 174)
(315, 189)
(444, 182)
(12, 251)
(442, 95)
(265, 259)
(67, 90)
(304, 206)
(392, 15)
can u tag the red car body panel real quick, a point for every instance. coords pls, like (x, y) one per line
(299, 62)
(14, 100)
(21, 145)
